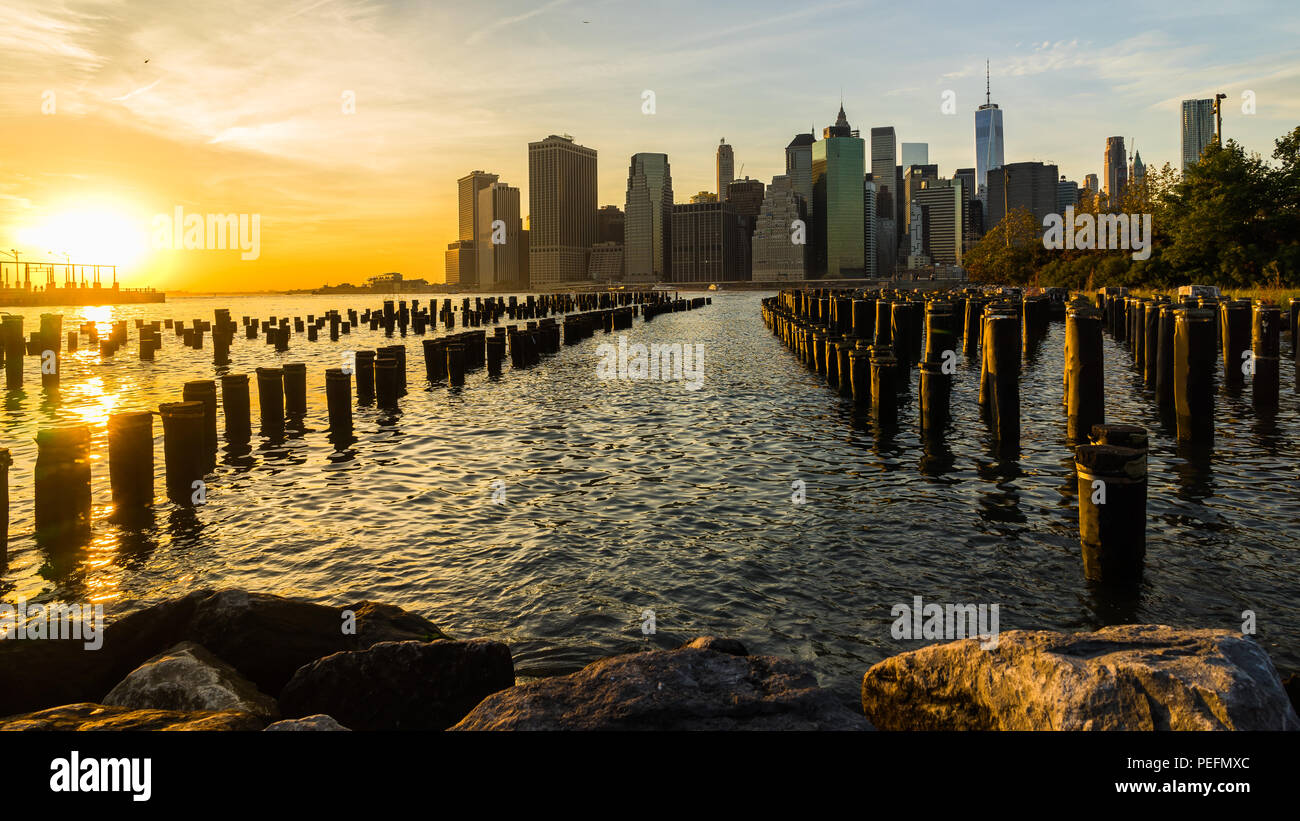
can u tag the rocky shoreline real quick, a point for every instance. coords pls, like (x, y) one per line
(239, 661)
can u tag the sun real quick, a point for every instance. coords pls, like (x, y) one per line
(101, 234)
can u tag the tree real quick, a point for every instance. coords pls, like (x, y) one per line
(1010, 253)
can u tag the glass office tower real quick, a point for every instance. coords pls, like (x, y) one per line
(838, 167)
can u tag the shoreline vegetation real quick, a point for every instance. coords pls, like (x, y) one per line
(1231, 219)
(241, 661)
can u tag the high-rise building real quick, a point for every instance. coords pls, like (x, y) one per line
(970, 205)
(1137, 170)
(914, 154)
(467, 190)
(647, 245)
(913, 176)
(1067, 193)
(798, 165)
(562, 210)
(1198, 129)
(838, 166)
(775, 254)
(869, 229)
(988, 139)
(1028, 185)
(940, 204)
(726, 168)
(706, 243)
(747, 196)
(1116, 172)
(1091, 183)
(498, 262)
(610, 221)
(883, 161)
(459, 261)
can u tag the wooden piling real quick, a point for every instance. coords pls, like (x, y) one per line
(183, 450)
(130, 459)
(235, 407)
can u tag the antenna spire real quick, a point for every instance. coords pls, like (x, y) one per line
(988, 97)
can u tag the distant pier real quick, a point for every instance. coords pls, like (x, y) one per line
(81, 285)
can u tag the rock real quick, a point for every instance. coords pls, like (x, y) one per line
(400, 685)
(685, 689)
(730, 646)
(316, 723)
(188, 678)
(43, 673)
(1134, 677)
(266, 638)
(88, 716)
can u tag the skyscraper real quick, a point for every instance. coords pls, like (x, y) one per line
(913, 176)
(775, 255)
(1067, 193)
(1137, 170)
(883, 162)
(647, 231)
(988, 138)
(706, 243)
(970, 219)
(838, 166)
(1091, 183)
(1028, 185)
(726, 168)
(498, 262)
(798, 165)
(1116, 172)
(915, 154)
(562, 210)
(870, 230)
(940, 203)
(466, 263)
(1198, 129)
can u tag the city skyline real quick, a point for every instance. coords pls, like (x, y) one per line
(226, 119)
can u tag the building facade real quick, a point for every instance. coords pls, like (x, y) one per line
(1027, 185)
(498, 261)
(1198, 129)
(562, 210)
(942, 234)
(706, 243)
(798, 165)
(883, 163)
(1116, 171)
(838, 167)
(726, 168)
(647, 244)
(775, 254)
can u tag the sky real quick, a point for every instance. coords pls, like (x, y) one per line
(339, 127)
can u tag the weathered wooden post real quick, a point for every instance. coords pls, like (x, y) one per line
(884, 387)
(1236, 326)
(1085, 386)
(205, 391)
(130, 459)
(338, 398)
(270, 400)
(14, 349)
(1194, 358)
(235, 407)
(386, 379)
(1002, 335)
(1165, 358)
(182, 448)
(295, 391)
(1112, 475)
(365, 368)
(1266, 346)
(62, 482)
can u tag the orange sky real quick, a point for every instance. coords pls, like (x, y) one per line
(240, 108)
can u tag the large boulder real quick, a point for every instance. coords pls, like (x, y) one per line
(1134, 677)
(188, 677)
(265, 637)
(404, 685)
(316, 723)
(691, 688)
(89, 716)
